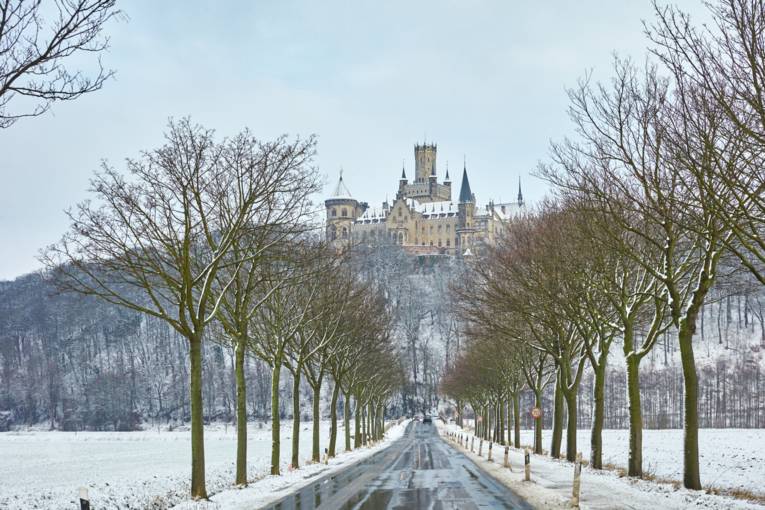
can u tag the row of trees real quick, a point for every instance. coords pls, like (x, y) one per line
(214, 239)
(658, 196)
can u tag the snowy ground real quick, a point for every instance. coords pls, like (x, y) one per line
(271, 488)
(552, 480)
(729, 458)
(147, 469)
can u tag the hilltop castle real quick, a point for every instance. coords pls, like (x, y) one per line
(423, 218)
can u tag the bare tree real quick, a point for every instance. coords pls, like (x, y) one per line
(279, 220)
(34, 53)
(155, 243)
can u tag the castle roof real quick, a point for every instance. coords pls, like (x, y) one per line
(341, 190)
(465, 194)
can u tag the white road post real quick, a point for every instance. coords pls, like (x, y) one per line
(480, 447)
(84, 499)
(326, 456)
(489, 457)
(527, 465)
(577, 481)
(472, 443)
(507, 457)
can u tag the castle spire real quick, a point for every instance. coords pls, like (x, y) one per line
(341, 190)
(447, 172)
(465, 194)
(403, 171)
(520, 193)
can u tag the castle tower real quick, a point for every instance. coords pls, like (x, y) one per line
(342, 210)
(424, 161)
(466, 211)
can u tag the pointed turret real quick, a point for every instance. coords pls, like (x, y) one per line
(520, 193)
(465, 194)
(341, 190)
(447, 180)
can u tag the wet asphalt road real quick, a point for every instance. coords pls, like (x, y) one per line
(419, 471)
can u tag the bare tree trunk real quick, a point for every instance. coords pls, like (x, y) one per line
(357, 424)
(316, 447)
(241, 414)
(333, 417)
(691, 474)
(347, 420)
(517, 425)
(296, 418)
(557, 430)
(571, 426)
(275, 421)
(198, 489)
(599, 395)
(635, 459)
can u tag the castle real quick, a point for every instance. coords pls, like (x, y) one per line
(423, 218)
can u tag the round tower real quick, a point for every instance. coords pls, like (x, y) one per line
(342, 210)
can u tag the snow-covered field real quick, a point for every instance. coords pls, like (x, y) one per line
(552, 481)
(729, 458)
(147, 469)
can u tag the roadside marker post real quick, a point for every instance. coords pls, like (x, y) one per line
(480, 447)
(472, 443)
(527, 465)
(577, 481)
(326, 456)
(507, 457)
(84, 499)
(489, 457)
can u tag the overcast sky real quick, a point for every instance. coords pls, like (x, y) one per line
(483, 79)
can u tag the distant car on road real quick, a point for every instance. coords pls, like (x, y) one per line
(427, 419)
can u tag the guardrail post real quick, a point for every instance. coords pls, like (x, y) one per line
(84, 499)
(577, 481)
(527, 465)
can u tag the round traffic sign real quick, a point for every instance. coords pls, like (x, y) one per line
(536, 413)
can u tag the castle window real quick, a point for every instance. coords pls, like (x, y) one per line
(345, 232)
(345, 211)
(448, 227)
(400, 213)
(439, 229)
(400, 238)
(447, 242)
(439, 242)
(334, 212)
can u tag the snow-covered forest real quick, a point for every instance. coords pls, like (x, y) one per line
(71, 362)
